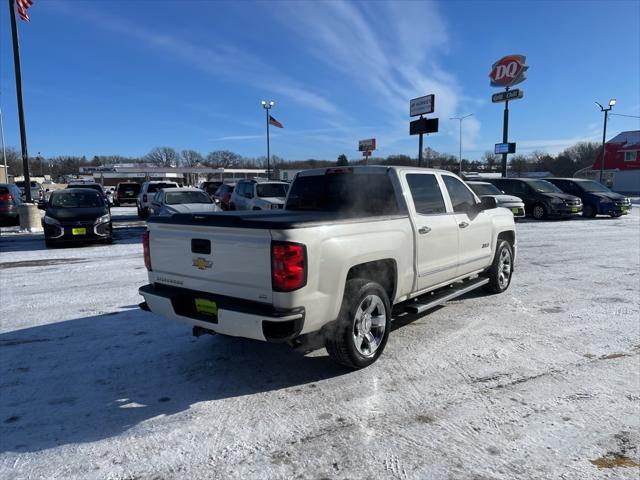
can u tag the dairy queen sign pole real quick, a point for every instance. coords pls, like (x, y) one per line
(507, 72)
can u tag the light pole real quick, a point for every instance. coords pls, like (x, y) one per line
(460, 119)
(606, 111)
(267, 106)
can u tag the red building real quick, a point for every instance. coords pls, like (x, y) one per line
(621, 152)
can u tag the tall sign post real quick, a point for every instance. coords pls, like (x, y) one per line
(505, 73)
(23, 130)
(418, 107)
(366, 147)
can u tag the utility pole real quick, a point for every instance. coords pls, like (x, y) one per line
(606, 111)
(267, 106)
(460, 119)
(505, 135)
(23, 131)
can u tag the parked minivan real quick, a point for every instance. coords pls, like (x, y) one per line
(259, 195)
(541, 198)
(596, 198)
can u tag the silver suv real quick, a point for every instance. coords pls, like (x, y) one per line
(259, 195)
(147, 192)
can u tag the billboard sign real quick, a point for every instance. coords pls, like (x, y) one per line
(422, 105)
(514, 94)
(505, 148)
(367, 145)
(508, 71)
(423, 125)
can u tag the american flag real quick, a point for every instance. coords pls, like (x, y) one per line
(22, 7)
(274, 122)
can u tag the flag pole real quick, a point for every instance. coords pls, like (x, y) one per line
(23, 131)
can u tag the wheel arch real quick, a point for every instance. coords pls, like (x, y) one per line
(383, 271)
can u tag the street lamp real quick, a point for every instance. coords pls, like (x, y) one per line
(612, 102)
(267, 106)
(460, 119)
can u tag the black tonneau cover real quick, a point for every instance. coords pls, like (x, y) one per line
(280, 220)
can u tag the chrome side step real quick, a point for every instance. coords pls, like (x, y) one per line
(428, 301)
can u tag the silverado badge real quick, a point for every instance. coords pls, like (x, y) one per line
(202, 263)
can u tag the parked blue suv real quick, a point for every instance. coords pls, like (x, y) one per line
(596, 198)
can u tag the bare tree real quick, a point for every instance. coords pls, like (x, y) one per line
(162, 157)
(223, 159)
(490, 159)
(190, 158)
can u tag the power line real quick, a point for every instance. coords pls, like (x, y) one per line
(621, 115)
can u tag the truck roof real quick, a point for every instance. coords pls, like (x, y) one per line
(367, 169)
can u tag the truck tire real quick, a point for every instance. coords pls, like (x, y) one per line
(359, 335)
(501, 269)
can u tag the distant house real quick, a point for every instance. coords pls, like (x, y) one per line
(621, 164)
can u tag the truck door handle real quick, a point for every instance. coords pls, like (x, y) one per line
(424, 230)
(463, 224)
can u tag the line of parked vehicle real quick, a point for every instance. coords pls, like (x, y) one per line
(81, 212)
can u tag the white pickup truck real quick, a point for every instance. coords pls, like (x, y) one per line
(351, 244)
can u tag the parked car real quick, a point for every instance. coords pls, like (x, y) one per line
(37, 193)
(351, 244)
(10, 199)
(76, 215)
(541, 198)
(486, 189)
(258, 195)
(147, 191)
(596, 198)
(126, 192)
(210, 187)
(94, 186)
(223, 195)
(168, 201)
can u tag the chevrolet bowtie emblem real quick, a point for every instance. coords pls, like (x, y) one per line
(202, 263)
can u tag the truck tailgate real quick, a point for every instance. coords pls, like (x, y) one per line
(234, 262)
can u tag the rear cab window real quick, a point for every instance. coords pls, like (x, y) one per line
(366, 193)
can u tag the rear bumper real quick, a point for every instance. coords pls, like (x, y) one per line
(235, 317)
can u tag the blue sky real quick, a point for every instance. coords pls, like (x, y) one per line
(116, 77)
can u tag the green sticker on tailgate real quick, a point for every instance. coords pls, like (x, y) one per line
(206, 306)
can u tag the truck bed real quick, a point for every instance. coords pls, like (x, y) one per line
(278, 220)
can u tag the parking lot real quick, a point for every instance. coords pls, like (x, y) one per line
(540, 382)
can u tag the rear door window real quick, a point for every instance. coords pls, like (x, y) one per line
(426, 193)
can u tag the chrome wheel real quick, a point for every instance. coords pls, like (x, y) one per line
(369, 325)
(504, 268)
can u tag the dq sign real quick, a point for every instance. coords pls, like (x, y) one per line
(508, 71)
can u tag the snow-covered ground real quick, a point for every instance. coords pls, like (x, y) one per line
(540, 382)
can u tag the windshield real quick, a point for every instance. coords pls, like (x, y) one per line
(154, 187)
(272, 189)
(133, 188)
(542, 186)
(70, 199)
(174, 198)
(591, 186)
(484, 189)
(20, 183)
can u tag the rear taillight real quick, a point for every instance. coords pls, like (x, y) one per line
(288, 266)
(7, 197)
(145, 249)
(144, 197)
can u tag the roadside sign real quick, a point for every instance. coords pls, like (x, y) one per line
(423, 125)
(505, 148)
(367, 145)
(514, 94)
(508, 71)
(422, 105)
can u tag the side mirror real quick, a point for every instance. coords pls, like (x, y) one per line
(487, 203)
